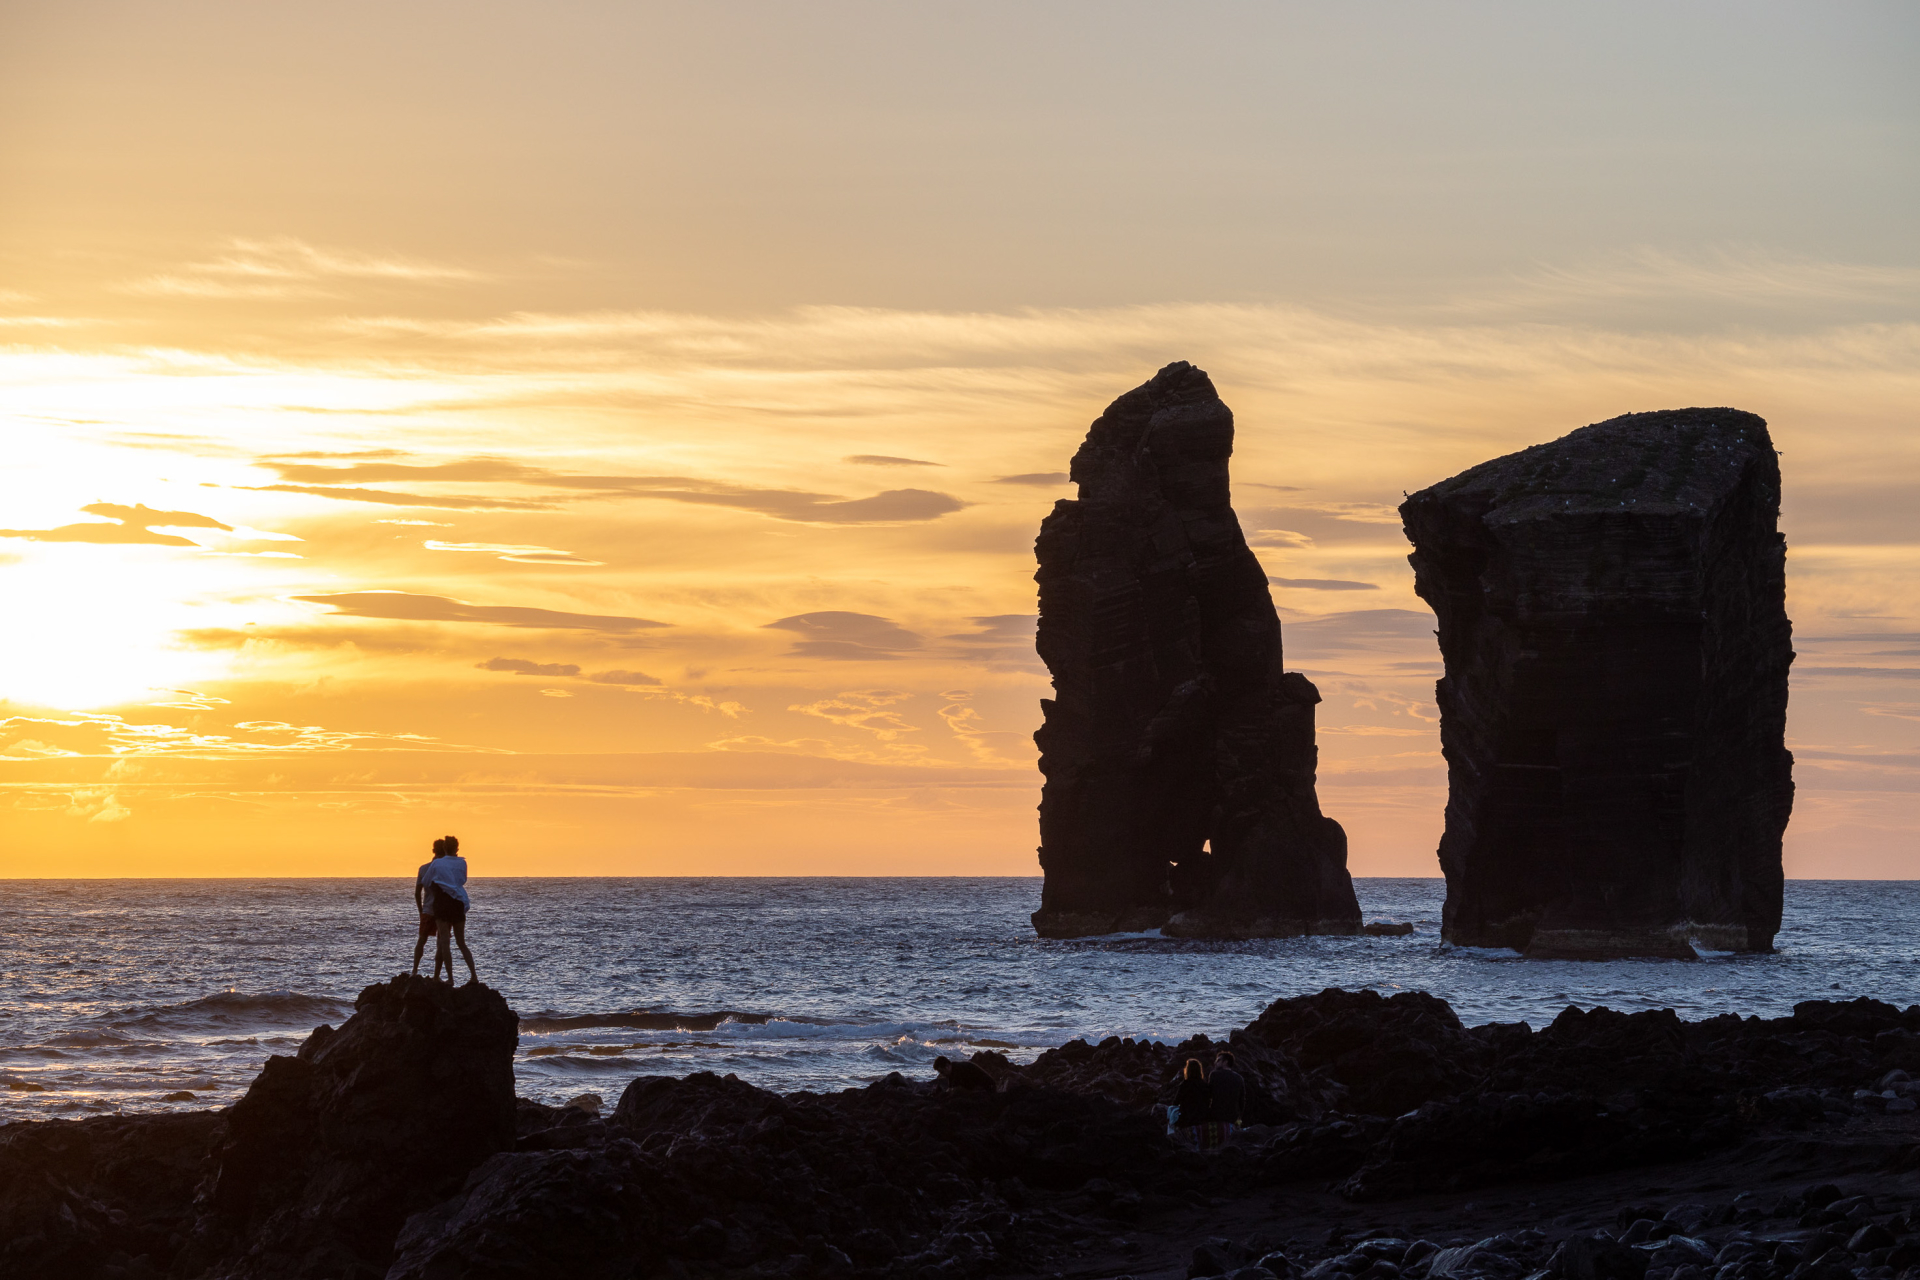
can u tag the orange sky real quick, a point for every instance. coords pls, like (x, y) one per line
(617, 435)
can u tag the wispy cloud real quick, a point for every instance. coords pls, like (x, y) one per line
(1323, 584)
(405, 606)
(384, 497)
(528, 667)
(884, 460)
(847, 637)
(513, 554)
(889, 507)
(131, 525)
(288, 268)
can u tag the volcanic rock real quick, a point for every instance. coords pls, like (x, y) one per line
(75, 1191)
(330, 1150)
(1613, 623)
(1178, 754)
(707, 1177)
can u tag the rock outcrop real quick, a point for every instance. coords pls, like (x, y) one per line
(330, 1150)
(1613, 622)
(1178, 754)
(709, 1177)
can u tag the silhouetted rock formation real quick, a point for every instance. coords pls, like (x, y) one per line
(1613, 620)
(1179, 757)
(76, 1192)
(709, 1177)
(330, 1150)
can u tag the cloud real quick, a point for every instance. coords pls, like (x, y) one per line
(132, 525)
(1357, 512)
(86, 733)
(1036, 478)
(1323, 584)
(97, 804)
(1279, 538)
(623, 677)
(1391, 633)
(844, 636)
(1000, 640)
(406, 606)
(863, 709)
(966, 724)
(883, 460)
(894, 506)
(527, 667)
(464, 471)
(514, 554)
(456, 502)
(325, 636)
(288, 268)
(889, 507)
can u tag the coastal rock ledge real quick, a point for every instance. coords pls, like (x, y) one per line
(1178, 753)
(1613, 623)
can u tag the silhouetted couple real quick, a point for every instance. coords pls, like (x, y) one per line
(440, 895)
(1206, 1110)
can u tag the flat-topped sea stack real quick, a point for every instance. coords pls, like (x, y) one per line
(1613, 623)
(1178, 755)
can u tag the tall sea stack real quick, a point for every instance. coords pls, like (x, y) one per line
(1613, 623)
(1178, 755)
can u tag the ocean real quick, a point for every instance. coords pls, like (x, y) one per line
(115, 994)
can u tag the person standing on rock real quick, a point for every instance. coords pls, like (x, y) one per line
(445, 882)
(423, 903)
(1193, 1103)
(1229, 1091)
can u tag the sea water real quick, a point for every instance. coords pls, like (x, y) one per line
(114, 994)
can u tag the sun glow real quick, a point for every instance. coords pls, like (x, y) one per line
(88, 630)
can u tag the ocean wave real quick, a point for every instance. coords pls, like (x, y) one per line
(648, 1020)
(227, 1010)
(91, 1040)
(574, 1062)
(741, 1026)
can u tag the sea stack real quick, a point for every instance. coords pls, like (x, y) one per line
(1613, 712)
(1178, 755)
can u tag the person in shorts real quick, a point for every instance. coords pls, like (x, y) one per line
(443, 882)
(429, 927)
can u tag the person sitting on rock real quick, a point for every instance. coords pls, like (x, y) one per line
(963, 1075)
(445, 880)
(429, 927)
(1193, 1103)
(1229, 1090)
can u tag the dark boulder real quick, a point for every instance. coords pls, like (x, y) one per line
(586, 1215)
(1387, 1054)
(1178, 754)
(75, 1191)
(331, 1150)
(1613, 624)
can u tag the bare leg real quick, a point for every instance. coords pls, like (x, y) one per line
(419, 948)
(460, 936)
(442, 953)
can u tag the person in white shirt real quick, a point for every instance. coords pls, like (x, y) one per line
(429, 927)
(440, 890)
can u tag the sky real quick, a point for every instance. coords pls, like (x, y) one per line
(615, 432)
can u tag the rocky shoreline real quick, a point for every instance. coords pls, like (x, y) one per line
(1385, 1140)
